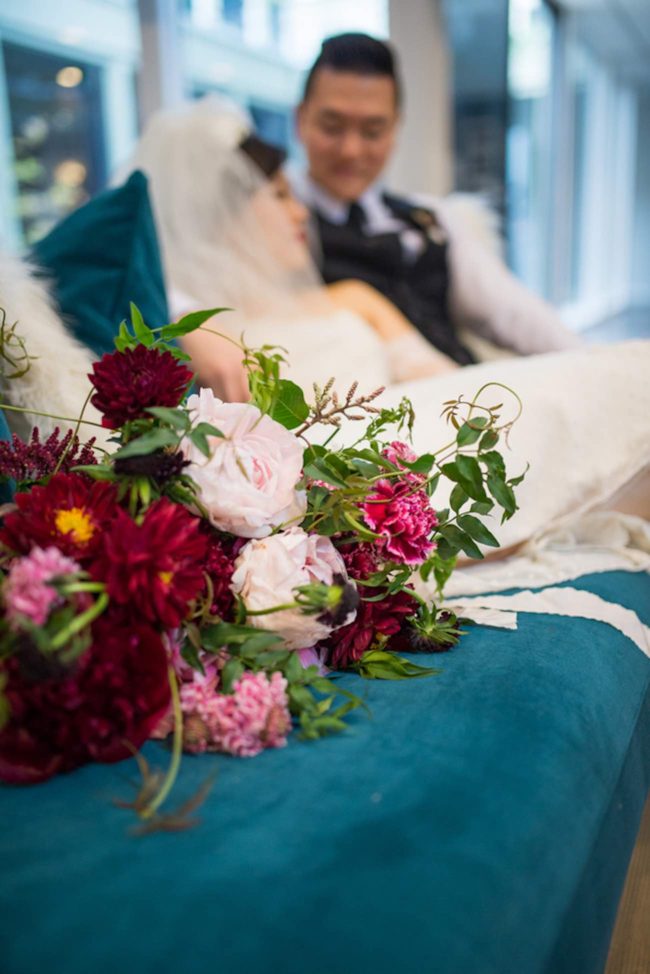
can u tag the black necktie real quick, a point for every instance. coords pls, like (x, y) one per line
(356, 218)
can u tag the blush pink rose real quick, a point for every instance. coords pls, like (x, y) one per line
(248, 483)
(267, 573)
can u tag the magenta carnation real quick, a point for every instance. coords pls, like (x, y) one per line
(130, 381)
(403, 517)
(27, 592)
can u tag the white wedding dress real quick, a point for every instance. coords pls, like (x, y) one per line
(584, 429)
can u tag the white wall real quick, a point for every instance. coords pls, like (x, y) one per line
(423, 161)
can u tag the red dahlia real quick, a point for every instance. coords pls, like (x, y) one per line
(130, 381)
(154, 569)
(385, 617)
(219, 565)
(69, 512)
(117, 692)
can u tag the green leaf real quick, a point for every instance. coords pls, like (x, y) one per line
(177, 418)
(466, 472)
(226, 634)
(142, 332)
(423, 464)
(231, 672)
(515, 481)
(494, 463)
(377, 664)
(96, 471)
(488, 440)
(124, 338)
(470, 431)
(477, 530)
(191, 656)
(155, 440)
(199, 437)
(459, 540)
(457, 498)
(289, 408)
(482, 507)
(189, 323)
(503, 494)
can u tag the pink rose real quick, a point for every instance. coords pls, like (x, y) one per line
(267, 573)
(248, 483)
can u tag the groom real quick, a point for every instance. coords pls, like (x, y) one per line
(427, 258)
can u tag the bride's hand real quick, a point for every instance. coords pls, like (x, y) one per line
(217, 364)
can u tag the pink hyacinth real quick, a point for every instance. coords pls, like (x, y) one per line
(255, 716)
(404, 518)
(28, 593)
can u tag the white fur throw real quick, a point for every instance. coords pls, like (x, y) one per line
(57, 379)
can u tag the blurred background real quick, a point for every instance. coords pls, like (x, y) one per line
(542, 107)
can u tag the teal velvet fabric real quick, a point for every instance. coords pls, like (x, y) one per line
(6, 488)
(460, 830)
(100, 258)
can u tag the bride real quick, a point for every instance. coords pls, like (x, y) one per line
(232, 234)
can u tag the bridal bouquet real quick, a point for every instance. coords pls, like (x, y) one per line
(207, 579)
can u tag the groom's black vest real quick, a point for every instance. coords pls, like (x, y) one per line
(419, 287)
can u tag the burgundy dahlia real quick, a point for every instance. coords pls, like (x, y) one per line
(128, 382)
(382, 618)
(153, 569)
(117, 693)
(404, 518)
(70, 512)
(218, 566)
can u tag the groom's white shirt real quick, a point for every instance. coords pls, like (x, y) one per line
(485, 297)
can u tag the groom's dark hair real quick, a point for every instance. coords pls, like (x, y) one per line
(356, 54)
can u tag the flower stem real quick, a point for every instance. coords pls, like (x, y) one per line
(177, 747)
(36, 412)
(75, 433)
(80, 622)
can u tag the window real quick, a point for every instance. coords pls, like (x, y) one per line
(232, 12)
(272, 124)
(55, 114)
(529, 142)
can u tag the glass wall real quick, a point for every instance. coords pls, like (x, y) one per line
(529, 162)
(256, 51)
(57, 135)
(68, 112)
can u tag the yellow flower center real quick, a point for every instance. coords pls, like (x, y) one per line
(75, 521)
(165, 577)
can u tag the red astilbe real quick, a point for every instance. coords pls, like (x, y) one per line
(27, 463)
(69, 512)
(117, 692)
(128, 382)
(153, 569)
(383, 618)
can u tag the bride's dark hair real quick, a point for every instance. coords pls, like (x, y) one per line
(268, 158)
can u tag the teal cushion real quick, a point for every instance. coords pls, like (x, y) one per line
(6, 492)
(480, 823)
(100, 258)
